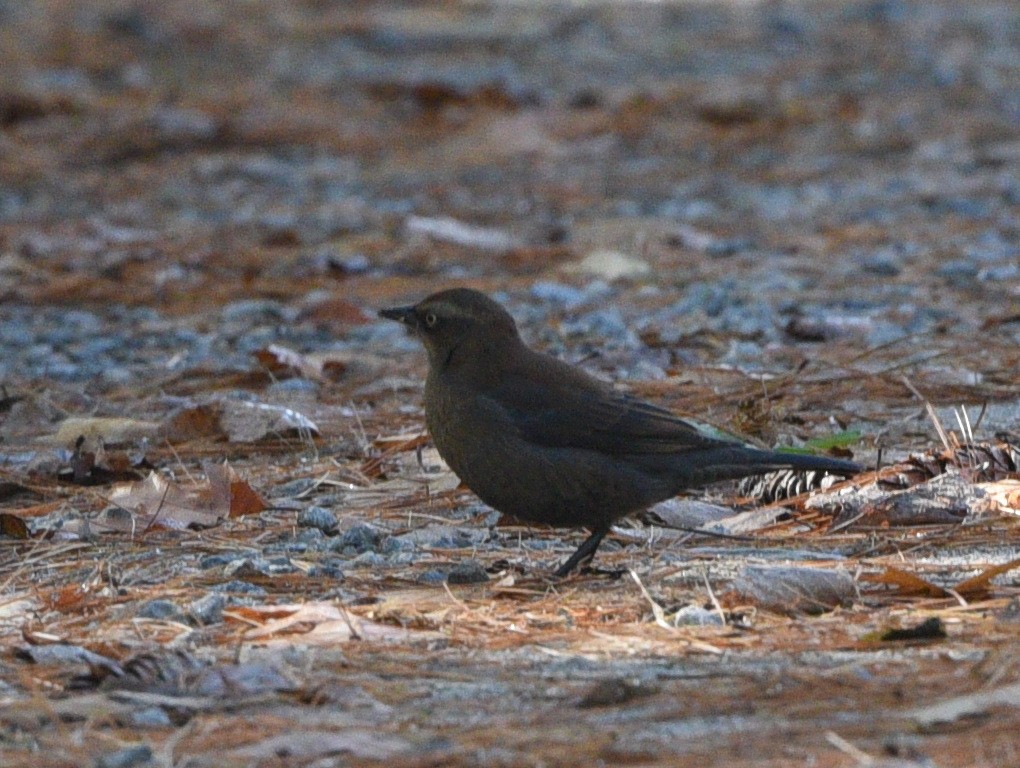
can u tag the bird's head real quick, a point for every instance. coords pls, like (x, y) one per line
(458, 324)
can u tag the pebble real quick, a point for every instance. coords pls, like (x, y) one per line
(208, 609)
(1004, 274)
(881, 264)
(369, 560)
(295, 386)
(319, 518)
(260, 566)
(435, 537)
(252, 310)
(328, 569)
(467, 572)
(432, 577)
(149, 717)
(605, 325)
(358, 539)
(219, 559)
(558, 293)
(958, 269)
(724, 248)
(237, 587)
(126, 758)
(293, 488)
(159, 609)
(695, 615)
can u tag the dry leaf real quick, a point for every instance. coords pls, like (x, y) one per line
(318, 624)
(246, 422)
(244, 500)
(158, 501)
(13, 526)
(908, 583)
(979, 586)
(609, 265)
(282, 361)
(107, 431)
(194, 423)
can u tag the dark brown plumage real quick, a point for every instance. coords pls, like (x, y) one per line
(544, 441)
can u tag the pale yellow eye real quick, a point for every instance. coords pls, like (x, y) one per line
(431, 319)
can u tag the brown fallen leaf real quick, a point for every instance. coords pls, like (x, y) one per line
(908, 583)
(318, 366)
(979, 586)
(244, 500)
(336, 312)
(162, 502)
(911, 585)
(195, 423)
(13, 526)
(158, 501)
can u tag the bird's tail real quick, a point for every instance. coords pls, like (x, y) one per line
(735, 462)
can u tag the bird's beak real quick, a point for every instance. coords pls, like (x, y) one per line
(403, 315)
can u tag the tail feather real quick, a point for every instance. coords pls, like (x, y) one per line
(733, 463)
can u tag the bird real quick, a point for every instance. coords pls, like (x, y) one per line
(537, 438)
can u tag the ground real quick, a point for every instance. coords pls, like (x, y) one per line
(225, 538)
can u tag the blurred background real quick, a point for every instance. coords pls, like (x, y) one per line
(666, 184)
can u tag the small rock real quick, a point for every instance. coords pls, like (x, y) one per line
(606, 325)
(369, 560)
(1003, 274)
(208, 609)
(296, 386)
(150, 717)
(293, 488)
(159, 609)
(435, 537)
(720, 249)
(432, 577)
(358, 539)
(329, 569)
(881, 264)
(957, 269)
(467, 572)
(219, 560)
(696, 616)
(251, 310)
(237, 587)
(318, 517)
(126, 758)
(615, 691)
(311, 537)
(558, 293)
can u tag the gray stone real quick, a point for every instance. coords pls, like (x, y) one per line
(208, 609)
(317, 517)
(467, 572)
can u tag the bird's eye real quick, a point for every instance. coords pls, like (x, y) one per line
(431, 319)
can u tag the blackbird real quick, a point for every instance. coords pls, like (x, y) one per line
(543, 441)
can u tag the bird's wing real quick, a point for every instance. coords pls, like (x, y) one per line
(578, 412)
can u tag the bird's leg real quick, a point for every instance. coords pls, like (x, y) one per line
(584, 553)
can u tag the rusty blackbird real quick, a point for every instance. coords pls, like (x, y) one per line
(543, 441)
